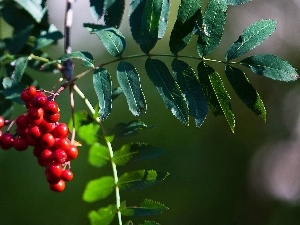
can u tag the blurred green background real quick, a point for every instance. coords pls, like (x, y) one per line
(217, 178)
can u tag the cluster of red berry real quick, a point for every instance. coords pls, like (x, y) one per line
(39, 127)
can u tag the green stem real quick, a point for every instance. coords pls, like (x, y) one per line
(111, 152)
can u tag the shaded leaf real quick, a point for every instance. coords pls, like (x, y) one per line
(168, 89)
(114, 10)
(164, 18)
(96, 9)
(112, 39)
(136, 151)
(116, 92)
(98, 155)
(212, 28)
(136, 11)
(251, 37)
(34, 8)
(129, 81)
(191, 89)
(98, 189)
(147, 222)
(6, 107)
(271, 66)
(183, 28)
(103, 88)
(131, 128)
(86, 57)
(215, 90)
(245, 91)
(146, 208)
(237, 2)
(48, 37)
(140, 179)
(103, 216)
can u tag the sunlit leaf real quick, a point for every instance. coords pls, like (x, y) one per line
(88, 133)
(237, 2)
(129, 81)
(112, 39)
(168, 89)
(212, 28)
(103, 216)
(191, 89)
(98, 189)
(271, 66)
(146, 208)
(98, 155)
(251, 37)
(114, 10)
(86, 57)
(140, 179)
(245, 91)
(136, 151)
(103, 88)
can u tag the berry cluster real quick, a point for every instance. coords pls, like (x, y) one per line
(39, 128)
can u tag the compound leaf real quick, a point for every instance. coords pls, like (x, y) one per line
(112, 39)
(129, 81)
(212, 28)
(164, 18)
(140, 179)
(237, 2)
(251, 37)
(34, 8)
(168, 89)
(191, 89)
(245, 91)
(98, 189)
(98, 155)
(146, 208)
(48, 37)
(114, 10)
(96, 9)
(86, 57)
(103, 88)
(131, 128)
(271, 66)
(186, 18)
(103, 216)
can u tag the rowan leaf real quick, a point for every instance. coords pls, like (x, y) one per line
(237, 2)
(114, 10)
(98, 155)
(103, 216)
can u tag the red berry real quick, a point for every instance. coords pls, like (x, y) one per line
(32, 141)
(31, 91)
(7, 141)
(34, 131)
(51, 107)
(59, 186)
(25, 97)
(46, 127)
(62, 143)
(54, 169)
(39, 100)
(2, 122)
(72, 152)
(61, 131)
(22, 122)
(36, 122)
(66, 175)
(59, 156)
(52, 118)
(20, 144)
(47, 140)
(35, 113)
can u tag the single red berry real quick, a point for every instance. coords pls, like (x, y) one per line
(61, 131)
(47, 140)
(46, 156)
(37, 151)
(52, 118)
(66, 175)
(51, 107)
(22, 122)
(31, 91)
(20, 144)
(72, 152)
(2, 122)
(59, 186)
(59, 156)
(7, 141)
(46, 127)
(52, 180)
(34, 131)
(25, 97)
(36, 122)
(62, 143)
(54, 169)
(35, 113)
(32, 141)
(39, 100)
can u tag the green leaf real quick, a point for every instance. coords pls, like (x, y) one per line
(15, 78)
(129, 81)
(191, 89)
(237, 2)
(130, 128)
(81, 118)
(146, 208)
(146, 31)
(216, 93)
(150, 223)
(98, 155)
(251, 37)
(186, 18)
(48, 37)
(112, 39)
(114, 10)
(212, 28)
(168, 89)
(86, 57)
(34, 8)
(136, 151)
(104, 216)
(98, 189)
(140, 179)
(96, 9)
(103, 88)
(271, 66)
(164, 18)
(88, 133)
(245, 91)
